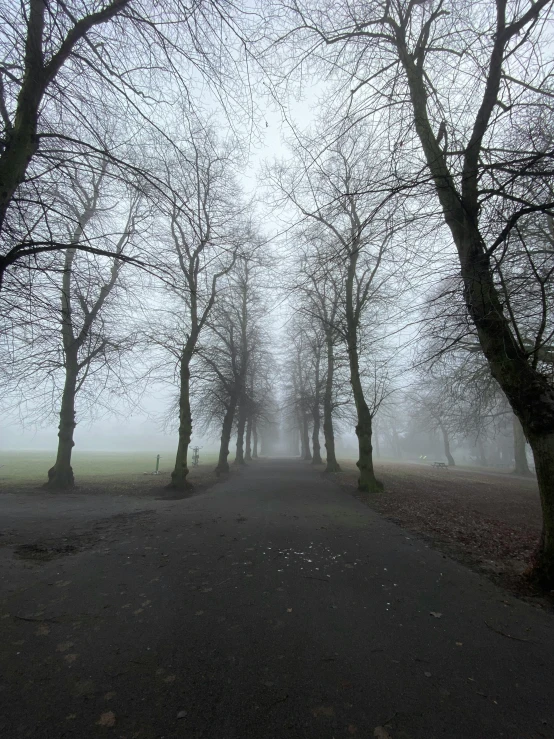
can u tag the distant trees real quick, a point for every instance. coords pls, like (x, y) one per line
(200, 225)
(317, 296)
(331, 190)
(232, 368)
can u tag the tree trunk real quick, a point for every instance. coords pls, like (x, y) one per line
(367, 480)
(239, 455)
(316, 414)
(529, 392)
(315, 437)
(181, 470)
(60, 476)
(306, 454)
(328, 431)
(255, 438)
(543, 452)
(248, 453)
(446, 441)
(521, 467)
(222, 464)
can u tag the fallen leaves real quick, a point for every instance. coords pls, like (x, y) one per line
(435, 614)
(328, 711)
(106, 719)
(381, 733)
(64, 646)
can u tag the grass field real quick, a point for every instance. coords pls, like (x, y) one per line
(32, 467)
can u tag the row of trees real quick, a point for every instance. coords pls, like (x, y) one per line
(432, 153)
(460, 95)
(102, 329)
(106, 166)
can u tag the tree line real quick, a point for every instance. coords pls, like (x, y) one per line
(427, 167)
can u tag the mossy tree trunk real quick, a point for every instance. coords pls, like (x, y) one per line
(367, 480)
(181, 470)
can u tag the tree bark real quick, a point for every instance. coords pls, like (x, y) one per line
(306, 453)
(222, 464)
(543, 452)
(528, 391)
(521, 467)
(255, 438)
(239, 455)
(328, 431)
(316, 416)
(446, 441)
(248, 452)
(181, 470)
(60, 476)
(367, 480)
(316, 458)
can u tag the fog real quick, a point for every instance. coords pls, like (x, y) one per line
(246, 242)
(276, 368)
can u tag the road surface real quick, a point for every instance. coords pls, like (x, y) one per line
(272, 606)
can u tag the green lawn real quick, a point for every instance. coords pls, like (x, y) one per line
(33, 466)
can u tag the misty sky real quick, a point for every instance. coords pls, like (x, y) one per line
(145, 431)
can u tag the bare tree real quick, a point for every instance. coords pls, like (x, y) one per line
(470, 81)
(84, 341)
(201, 231)
(330, 190)
(66, 68)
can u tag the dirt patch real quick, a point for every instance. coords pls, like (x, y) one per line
(491, 521)
(42, 552)
(70, 539)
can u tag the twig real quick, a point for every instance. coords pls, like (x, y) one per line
(508, 636)
(39, 620)
(275, 703)
(311, 577)
(223, 581)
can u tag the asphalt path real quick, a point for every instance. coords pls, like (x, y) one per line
(272, 606)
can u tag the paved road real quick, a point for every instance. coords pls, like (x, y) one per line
(272, 606)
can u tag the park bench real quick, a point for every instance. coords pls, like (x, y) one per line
(439, 464)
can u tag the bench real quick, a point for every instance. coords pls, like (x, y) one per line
(440, 464)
